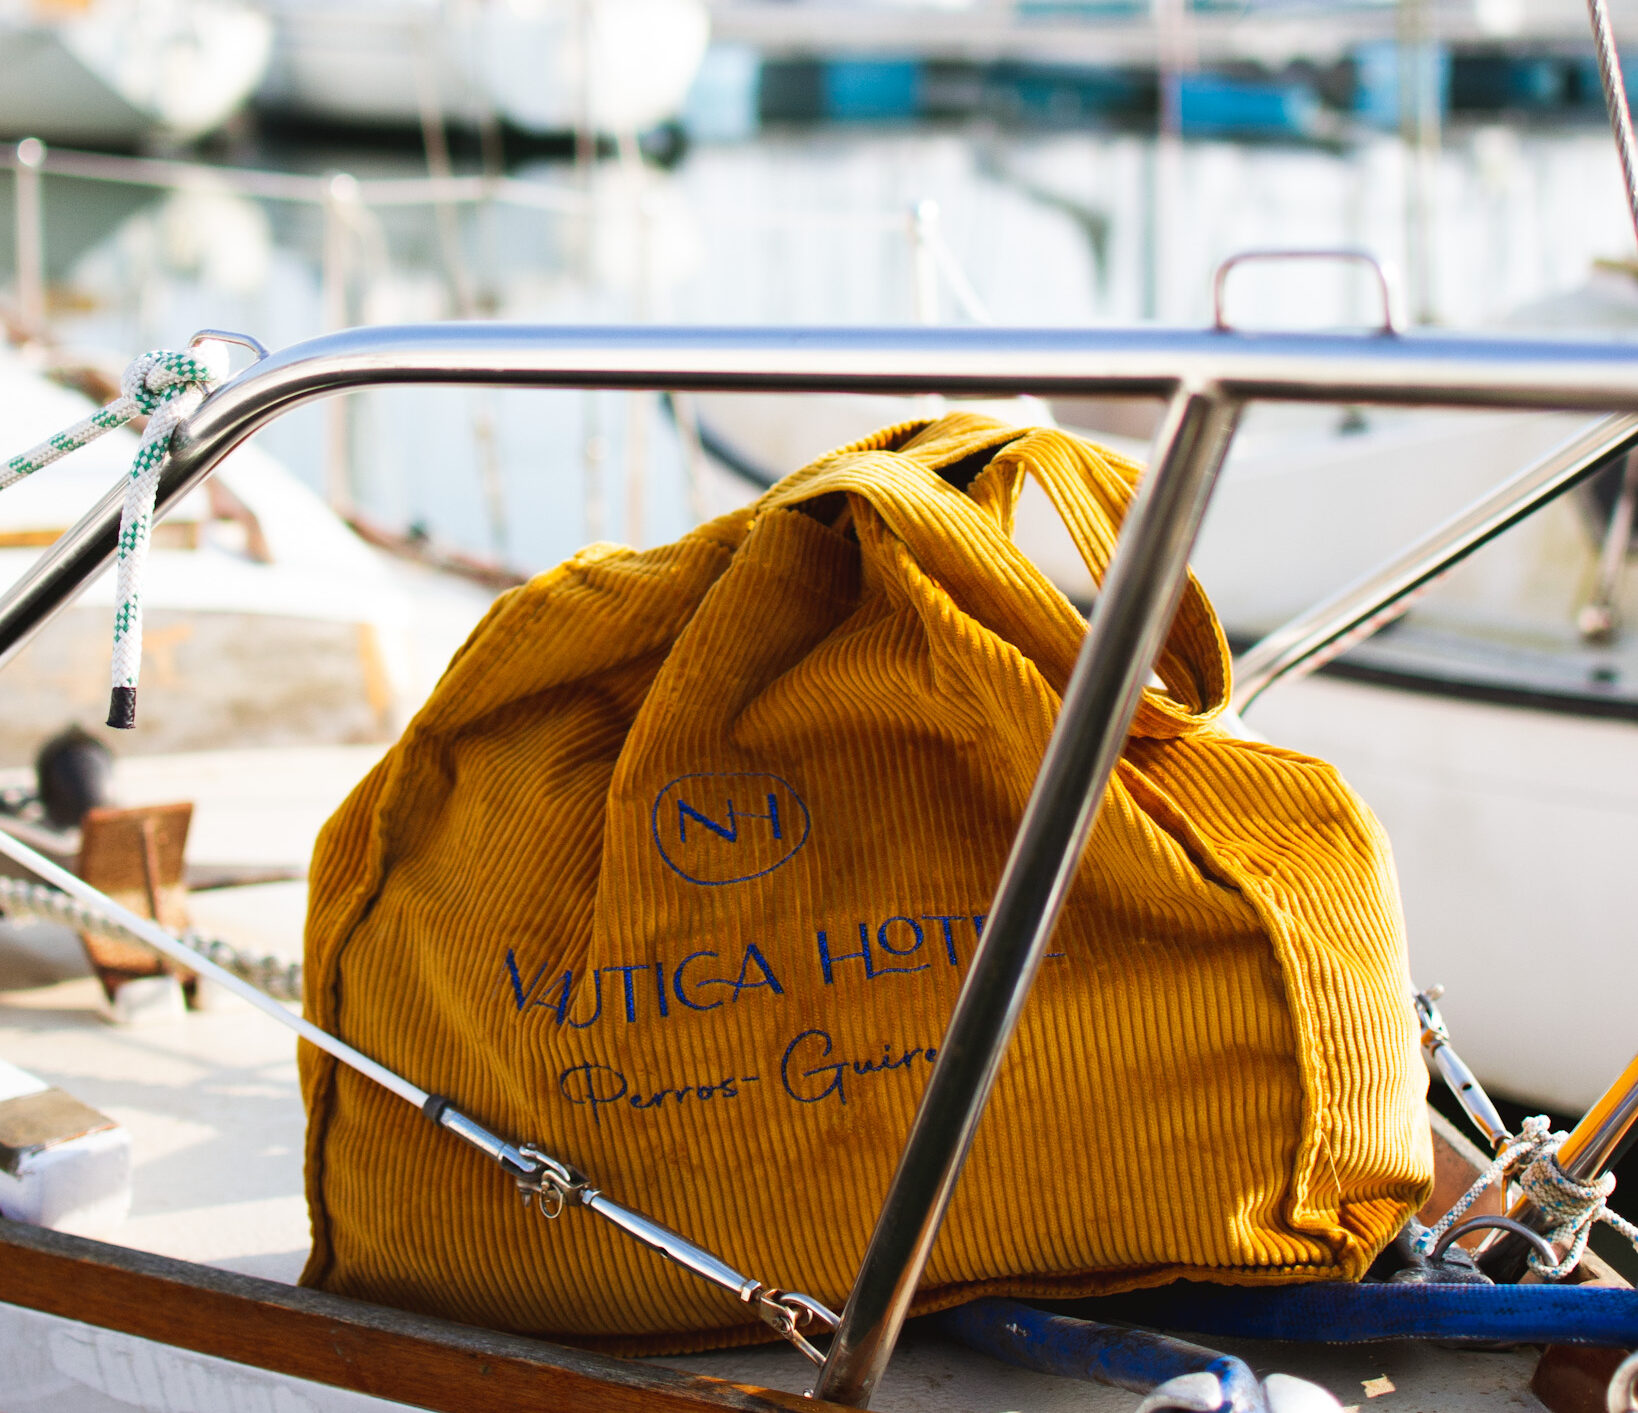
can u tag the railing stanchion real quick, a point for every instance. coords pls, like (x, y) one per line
(335, 271)
(1129, 622)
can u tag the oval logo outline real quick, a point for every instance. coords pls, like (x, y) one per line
(675, 867)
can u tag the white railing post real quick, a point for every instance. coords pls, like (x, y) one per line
(30, 237)
(340, 194)
(924, 215)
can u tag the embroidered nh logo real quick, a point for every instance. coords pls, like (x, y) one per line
(714, 828)
(729, 831)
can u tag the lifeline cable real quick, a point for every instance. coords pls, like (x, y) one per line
(162, 941)
(539, 1176)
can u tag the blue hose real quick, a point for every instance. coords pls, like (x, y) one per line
(1342, 1313)
(1332, 1313)
(1081, 1349)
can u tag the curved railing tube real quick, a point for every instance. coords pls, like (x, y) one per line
(1413, 371)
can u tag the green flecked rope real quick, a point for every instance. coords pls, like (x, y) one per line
(165, 387)
(104, 419)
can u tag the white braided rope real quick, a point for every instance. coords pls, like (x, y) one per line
(175, 384)
(1572, 1207)
(116, 414)
(165, 386)
(19, 898)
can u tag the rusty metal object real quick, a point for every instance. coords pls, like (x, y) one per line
(136, 857)
(1571, 1378)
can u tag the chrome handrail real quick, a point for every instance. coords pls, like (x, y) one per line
(1411, 371)
(1206, 377)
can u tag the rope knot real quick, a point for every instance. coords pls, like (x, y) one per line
(153, 379)
(166, 386)
(1570, 1206)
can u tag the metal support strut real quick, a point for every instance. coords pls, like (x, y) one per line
(1442, 1057)
(1354, 612)
(1129, 623)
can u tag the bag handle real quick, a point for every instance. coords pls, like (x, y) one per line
(962, 539)
(1092, 488)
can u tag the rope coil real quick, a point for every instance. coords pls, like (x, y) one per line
(165, 387)
(1570, 1206)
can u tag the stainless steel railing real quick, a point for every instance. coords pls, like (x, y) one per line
(1206, 378)
(341, 197)
(1355, 611)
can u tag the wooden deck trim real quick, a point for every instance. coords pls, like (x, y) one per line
(348, 1344)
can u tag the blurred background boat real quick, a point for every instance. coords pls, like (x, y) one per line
(541, 66)
(270, 622)
(127, 73)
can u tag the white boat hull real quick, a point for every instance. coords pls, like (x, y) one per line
(52, 1365)
(291, 632)
(128, 73)
(210, 680)
(547, 67)
(1513, 832)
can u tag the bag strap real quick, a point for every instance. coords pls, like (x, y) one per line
(1092, 488)
(962, 540)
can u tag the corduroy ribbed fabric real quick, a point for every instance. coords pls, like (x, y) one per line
(677, 875)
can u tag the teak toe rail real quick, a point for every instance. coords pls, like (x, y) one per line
(328, 1339)
(1206, 379)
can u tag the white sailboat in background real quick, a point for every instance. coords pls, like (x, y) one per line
(544, 66)
(127, 72)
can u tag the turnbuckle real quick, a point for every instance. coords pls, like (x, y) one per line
(1451, 1068)
(550, 1185)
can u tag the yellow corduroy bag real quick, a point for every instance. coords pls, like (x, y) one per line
(677, 874)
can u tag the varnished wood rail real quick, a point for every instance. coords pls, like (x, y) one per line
(348, 1344)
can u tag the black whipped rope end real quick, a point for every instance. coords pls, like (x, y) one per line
(122, 708)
